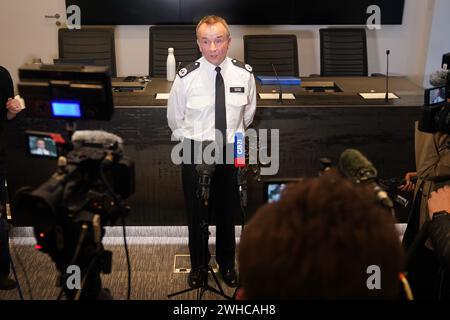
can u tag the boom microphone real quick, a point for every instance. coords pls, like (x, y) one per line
(97, 137)
(439, 78)
(354, 165)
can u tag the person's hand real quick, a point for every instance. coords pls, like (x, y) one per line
(14, 107)
(439, 201)
(409, 185)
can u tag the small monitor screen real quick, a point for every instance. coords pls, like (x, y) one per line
(435, 96)
(42, 146)
(274, 191)
(66, 109)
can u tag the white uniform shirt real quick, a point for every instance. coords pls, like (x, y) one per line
(191, 104)
(39, 151)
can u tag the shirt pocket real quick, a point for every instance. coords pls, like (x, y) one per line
(199, 102)
(237, 100)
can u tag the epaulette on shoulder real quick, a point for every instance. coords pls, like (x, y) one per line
(188, 69)
(242, 65)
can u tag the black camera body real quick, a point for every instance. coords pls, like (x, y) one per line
(69, 210)
(435, 112)
(92, 181)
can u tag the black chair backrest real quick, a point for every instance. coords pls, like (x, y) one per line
(182, 39)
(343, 52)
(95, 44)
(261, 51)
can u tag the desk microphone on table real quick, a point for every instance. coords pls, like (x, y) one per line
(280, 91)
(386, 97)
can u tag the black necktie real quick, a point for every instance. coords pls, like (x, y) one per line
(221, 114)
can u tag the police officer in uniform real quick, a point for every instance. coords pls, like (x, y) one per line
(211, 99)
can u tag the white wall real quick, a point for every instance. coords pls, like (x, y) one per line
(25, 33)
(439, 39)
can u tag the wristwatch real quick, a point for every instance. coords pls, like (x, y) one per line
(438, 214)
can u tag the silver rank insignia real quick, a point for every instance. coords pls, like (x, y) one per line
(182, 72)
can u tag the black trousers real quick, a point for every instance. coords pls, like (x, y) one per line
(223, 205)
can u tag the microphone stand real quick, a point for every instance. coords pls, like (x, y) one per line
(386, 97)
(205, 173)
(280, 91)
(242, 187)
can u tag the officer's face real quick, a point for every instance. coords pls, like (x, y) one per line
(213, 42)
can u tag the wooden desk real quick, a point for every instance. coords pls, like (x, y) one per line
(315, 125)
(409, 93)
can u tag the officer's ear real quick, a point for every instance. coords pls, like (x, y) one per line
(199, 47)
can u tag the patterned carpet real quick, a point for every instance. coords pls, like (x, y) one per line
(152, 251)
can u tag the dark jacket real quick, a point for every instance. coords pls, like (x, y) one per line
(439, 233)
(6, 91)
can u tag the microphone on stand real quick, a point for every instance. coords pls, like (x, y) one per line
(205, 173)
(386, 97)
(280, 91)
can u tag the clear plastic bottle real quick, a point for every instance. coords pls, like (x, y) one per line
(171, 65)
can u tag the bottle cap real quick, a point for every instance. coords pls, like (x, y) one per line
(170, 50)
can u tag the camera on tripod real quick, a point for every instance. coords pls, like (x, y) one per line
(93, 178)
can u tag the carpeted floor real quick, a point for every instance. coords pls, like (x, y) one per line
(152, 251)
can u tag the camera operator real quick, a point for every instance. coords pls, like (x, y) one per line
(9, 108)
(432, 160)
(319, 241)
(439, 228)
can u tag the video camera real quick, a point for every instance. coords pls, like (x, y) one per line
(93, 177)
(435, 112)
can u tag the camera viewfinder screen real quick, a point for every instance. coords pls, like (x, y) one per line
(42, 146)
(274, 191)
(437, 96)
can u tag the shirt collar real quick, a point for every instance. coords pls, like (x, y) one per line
(212, 68)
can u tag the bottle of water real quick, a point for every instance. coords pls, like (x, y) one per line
(171, 65)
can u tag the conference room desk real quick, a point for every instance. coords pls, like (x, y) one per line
(314, 125)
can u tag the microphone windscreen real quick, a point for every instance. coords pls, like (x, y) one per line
(352, 163)
(96, 136)
(439, 78)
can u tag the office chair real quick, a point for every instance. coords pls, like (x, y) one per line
(95, 44)
(261, 51)
(182, 39)
(343, 52)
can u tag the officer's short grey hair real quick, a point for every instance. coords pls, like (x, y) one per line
(212, 19)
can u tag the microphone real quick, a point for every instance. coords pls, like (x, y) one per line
(354, 165)
(280, 91)
(386, 97)
(205, 173)
(242, 184)
(439, 78)
(96, 137)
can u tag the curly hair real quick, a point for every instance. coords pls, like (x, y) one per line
(317, 243)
